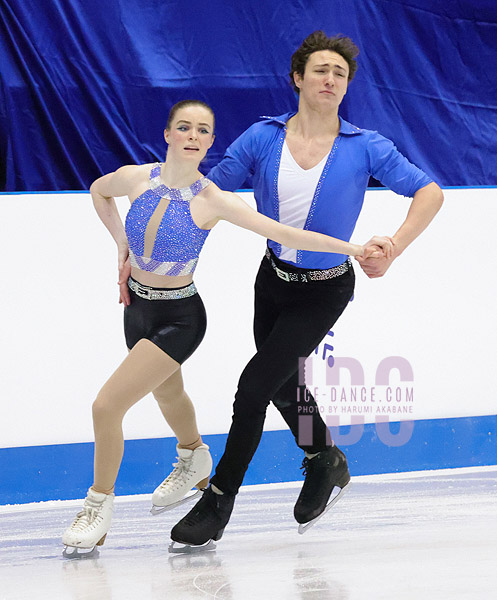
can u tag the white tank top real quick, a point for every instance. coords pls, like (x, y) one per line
(296, 187)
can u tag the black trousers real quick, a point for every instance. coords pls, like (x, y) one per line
(291, 319)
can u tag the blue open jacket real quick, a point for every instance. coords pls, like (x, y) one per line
(356, 154)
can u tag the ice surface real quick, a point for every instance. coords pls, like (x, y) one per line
(414, 536)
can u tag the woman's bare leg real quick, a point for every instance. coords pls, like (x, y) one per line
(194, 464)
(144, 369)
(178, 411)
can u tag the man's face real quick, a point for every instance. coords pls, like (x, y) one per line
(325, 79)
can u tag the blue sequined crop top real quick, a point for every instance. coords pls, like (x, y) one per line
(178, 241)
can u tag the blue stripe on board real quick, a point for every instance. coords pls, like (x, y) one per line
(444, 187)
(37, 473)
(468, 187)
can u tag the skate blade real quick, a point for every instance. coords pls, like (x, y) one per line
(303, 527)
(157, 510)
(72, 553)
(181, 548)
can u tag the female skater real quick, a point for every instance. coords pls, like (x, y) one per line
(173, 208)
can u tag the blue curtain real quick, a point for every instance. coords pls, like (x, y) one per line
(86, 85)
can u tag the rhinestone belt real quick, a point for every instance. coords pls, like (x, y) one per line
(309, 275)
(150, 293)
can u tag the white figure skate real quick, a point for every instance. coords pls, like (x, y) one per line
(90, 526)
(192, 470)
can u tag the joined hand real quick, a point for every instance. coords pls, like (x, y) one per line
(378, 255)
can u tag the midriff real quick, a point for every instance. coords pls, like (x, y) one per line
(160, 281)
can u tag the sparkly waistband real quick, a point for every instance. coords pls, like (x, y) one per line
(150, 293)
(305, 276)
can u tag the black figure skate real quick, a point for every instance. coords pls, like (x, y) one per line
(204, 524)
(322, 473)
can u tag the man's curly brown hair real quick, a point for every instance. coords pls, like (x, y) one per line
(320, 41)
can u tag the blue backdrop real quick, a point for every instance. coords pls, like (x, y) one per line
(86, 85)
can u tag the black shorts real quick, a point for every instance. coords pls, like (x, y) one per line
(176, 326)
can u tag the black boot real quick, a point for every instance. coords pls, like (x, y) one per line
(322, 473)
(206, 521)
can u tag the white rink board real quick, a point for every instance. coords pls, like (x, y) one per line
(62, 326)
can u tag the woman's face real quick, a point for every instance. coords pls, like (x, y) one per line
(191, 133)
(325, 79)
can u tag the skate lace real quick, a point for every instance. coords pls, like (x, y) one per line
(310, 464)
(305, 466)
(90, 516)
(179, 474)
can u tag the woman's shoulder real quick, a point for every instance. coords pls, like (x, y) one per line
(135, 174)
(213, 195)
(211, 190)
(138, 169)
(132, 180)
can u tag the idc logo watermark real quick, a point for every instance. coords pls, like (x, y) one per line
(353, 396)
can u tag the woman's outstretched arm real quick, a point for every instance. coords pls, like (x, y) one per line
(232, 208)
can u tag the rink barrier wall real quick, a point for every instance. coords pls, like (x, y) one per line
(48, 385)
(64, 471)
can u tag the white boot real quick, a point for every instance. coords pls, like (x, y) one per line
(91, 525)
(192, 470)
